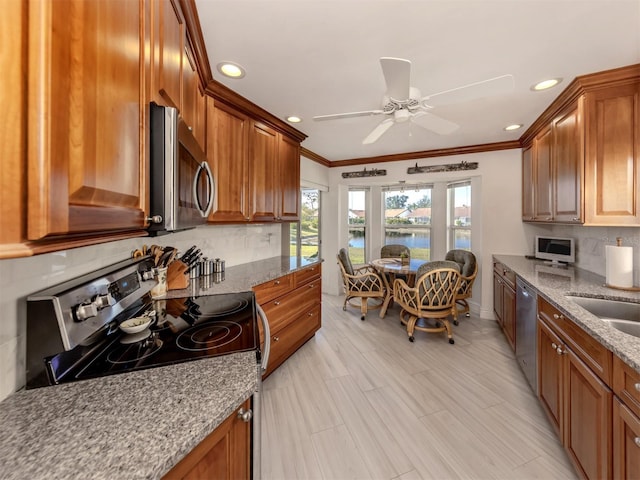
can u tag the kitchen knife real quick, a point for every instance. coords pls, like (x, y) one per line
(186, 254)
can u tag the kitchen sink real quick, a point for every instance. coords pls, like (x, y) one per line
(624, 316)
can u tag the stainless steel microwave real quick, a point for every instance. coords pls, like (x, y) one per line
(182, 186)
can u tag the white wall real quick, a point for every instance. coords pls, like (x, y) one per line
(496, 212)
(22, 276)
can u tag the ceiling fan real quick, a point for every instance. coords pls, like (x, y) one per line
(403, 103)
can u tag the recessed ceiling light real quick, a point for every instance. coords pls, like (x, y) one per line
(515, 126)
(545, 84)
(230, 69)
(293, 119)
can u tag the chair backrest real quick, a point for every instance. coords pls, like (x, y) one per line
(345, 261)
(466, 260)
(394, 251)
(438, 283)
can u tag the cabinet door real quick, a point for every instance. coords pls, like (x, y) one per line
(543, 176)
(550, 375)
(509, 314)
(528, 181)
(227, 131)
(289, 156)
(193, 101)
(225, 454)
(170, 32)
(588, 419)
(263, 151)
(85, 117)
(568, 160)
(626, 442)
(612, 160)
(497, 298)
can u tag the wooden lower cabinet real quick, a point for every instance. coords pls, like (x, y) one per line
(626, 442)
(504, 300)
(292, 304)
(224, 455)
(576, 399)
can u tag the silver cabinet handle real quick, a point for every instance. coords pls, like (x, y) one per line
(245, 415)
(277, 282)
(558, 317)
(637, 386)
(560, 351)
(637, 441)
(276, 338)
(554, 346)
(276, 302)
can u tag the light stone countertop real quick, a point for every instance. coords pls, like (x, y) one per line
(554, 283)
(134, 425)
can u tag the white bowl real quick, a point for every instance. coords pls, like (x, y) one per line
(136, 324)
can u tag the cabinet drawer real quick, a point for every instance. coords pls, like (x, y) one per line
(626, 384)
(283, 310)
(588, 349)
(290, 338)
(273, 288)
(309, 273)
(505, 273)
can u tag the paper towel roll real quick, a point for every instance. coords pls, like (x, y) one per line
(619, 267)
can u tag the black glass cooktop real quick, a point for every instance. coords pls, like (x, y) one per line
(182, 329)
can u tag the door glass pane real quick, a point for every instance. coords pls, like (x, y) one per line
(309, 224)
(407, 216)
(357, 226)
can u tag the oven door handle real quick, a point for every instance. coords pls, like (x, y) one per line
(211, 189)
(267, 337)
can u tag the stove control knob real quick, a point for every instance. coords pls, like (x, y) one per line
(104, 301)
(86, 310)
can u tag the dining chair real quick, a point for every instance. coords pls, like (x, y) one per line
(394, 251)
(427, 306)
(468, 272)
(363, 283)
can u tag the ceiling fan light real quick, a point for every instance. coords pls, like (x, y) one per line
(401, 116)
(231, 70)
(546, 84)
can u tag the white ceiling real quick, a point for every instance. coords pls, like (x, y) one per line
(308, 58)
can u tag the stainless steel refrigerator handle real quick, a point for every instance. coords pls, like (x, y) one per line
(267, 337)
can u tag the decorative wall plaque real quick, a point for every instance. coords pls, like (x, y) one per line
(450, 167)
(365, 173)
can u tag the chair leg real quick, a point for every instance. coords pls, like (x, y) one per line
(344, 305)
(447, 326)
(386, 305)
(411, 325)
(363, 308)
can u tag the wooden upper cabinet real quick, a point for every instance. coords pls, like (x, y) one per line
(86, 111)
(612, 164)
(193, 101)
(169, 44)
(264, 172)
(289, 160)
(568, 156)
(543, 175)
(528, 181)
(227, 133)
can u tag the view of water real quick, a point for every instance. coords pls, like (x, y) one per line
(411, 241)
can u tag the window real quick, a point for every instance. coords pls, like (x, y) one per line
(304, 236)
(407, 219)
(459, 215)
(357, 225)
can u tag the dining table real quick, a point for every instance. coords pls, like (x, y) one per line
(390, 269)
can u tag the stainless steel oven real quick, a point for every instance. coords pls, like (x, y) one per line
(182, 185)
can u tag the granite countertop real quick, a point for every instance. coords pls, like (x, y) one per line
(135, 425)
(138, 424)
(554, 283)
(241, 278)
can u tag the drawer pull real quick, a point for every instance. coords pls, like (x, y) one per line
(311, 285)
(310, 314)
(558, 316)
(554, 346)
(276, 302)
(277, 282)
(637, 386)
(560, 351)
(275, 339)
(637, 440)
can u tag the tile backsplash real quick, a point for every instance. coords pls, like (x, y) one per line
(20, 277)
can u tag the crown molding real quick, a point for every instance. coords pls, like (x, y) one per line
(314, 156)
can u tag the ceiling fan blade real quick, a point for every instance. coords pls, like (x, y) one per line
(485, 88)
(377, 132)
(348, 115)
(434, 123)
(397, 73)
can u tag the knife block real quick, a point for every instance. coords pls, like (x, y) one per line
(177, 279)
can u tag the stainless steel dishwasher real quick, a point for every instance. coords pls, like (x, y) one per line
(526, 333)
